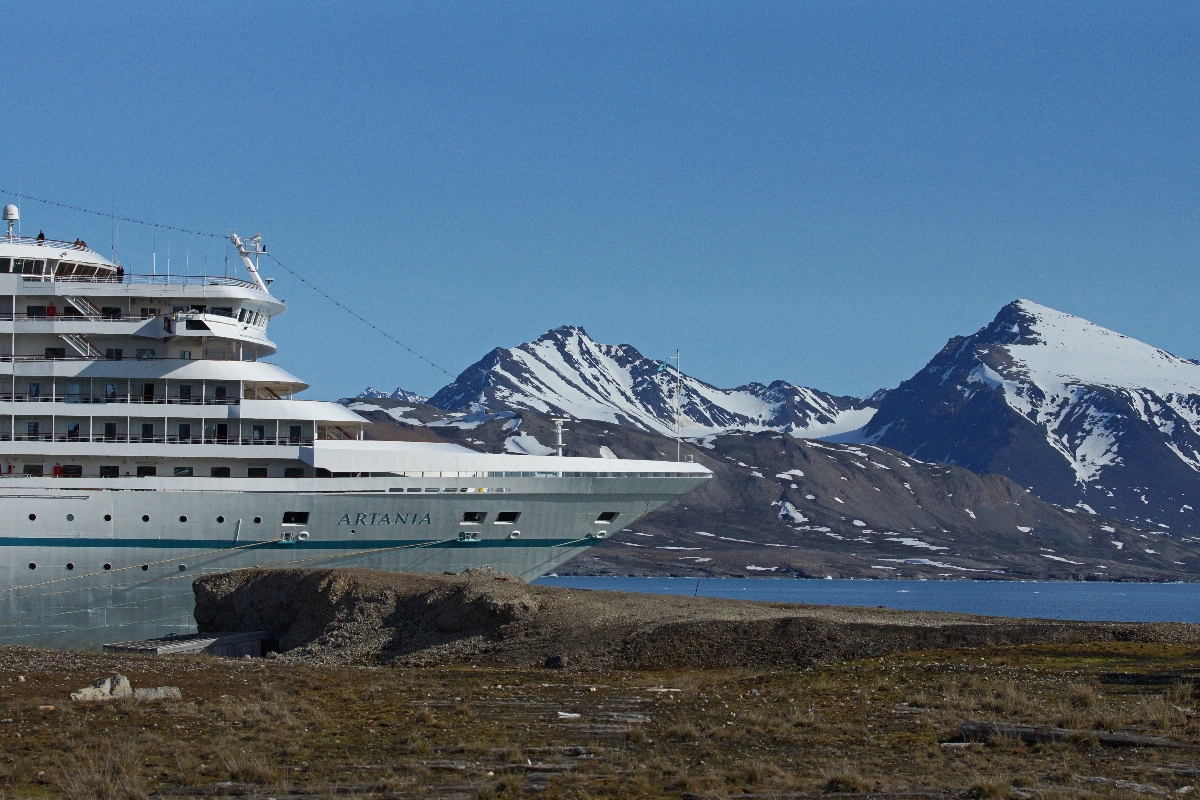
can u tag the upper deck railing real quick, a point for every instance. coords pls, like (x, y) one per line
(53, 244)
(154, 280)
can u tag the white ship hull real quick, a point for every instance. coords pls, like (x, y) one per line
(94, 580)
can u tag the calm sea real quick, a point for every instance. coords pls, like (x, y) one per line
(1121, 602)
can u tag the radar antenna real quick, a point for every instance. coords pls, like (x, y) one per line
(558, 430)
(251, 266)
(11, 215)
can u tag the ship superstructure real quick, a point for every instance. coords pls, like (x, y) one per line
(144, 439)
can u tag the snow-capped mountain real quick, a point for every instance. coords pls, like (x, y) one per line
(401, 394)
(564, 372)
(1082, 415)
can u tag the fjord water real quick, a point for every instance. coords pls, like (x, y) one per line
(1116, 602)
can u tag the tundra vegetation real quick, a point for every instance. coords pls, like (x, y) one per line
(890, 725)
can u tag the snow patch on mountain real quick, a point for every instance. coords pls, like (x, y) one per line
(565, 372)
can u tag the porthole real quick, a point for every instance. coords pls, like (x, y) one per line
(108, 566)
(32, 517)
(108, 517)
(70, 565)
(220, 520)
(32, 565)
(182, 567)
(145, 567)
(70, 517)
(183, 519)
(257, 520)
(145, 517)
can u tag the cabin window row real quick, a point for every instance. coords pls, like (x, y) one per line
(151, 471)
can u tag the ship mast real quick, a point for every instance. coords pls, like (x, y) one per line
(251, 266)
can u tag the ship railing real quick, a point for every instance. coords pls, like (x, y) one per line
(55, 244)
(73, 315)
(33, 358)
(153, 280)
(25, 397)
(120, 438)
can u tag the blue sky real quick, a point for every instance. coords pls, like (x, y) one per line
(822, 193)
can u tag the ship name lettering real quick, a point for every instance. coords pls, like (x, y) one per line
(386, 519)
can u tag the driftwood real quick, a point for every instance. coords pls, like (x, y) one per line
(1046, 733)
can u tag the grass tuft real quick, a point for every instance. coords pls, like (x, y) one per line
(845, 780)
(113, 773)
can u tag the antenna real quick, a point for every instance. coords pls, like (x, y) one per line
(558, 430)
(678, 408)
(251, 266)
(154, 255)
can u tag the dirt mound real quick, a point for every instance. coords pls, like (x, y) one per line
(353, 616)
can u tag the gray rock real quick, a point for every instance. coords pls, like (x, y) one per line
(158, 693)
(113, 688)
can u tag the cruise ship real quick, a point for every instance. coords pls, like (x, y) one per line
(147, 439)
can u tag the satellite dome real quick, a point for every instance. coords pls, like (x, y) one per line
(11, 212)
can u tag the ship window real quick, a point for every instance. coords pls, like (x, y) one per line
(258, 432)
(256, 472)
(143, 353)
(257, 520)
(110, 472)
(148, 391)
(72, 470)
(185, 355)
(185, 391)
(294, 434)
(295, 518)
(32, 429)
(473, 517)
(35, 389)
(72, 430)
(147, 472)
(110, 312)
(608, 516)
(220, 392)
(113, 353)
(32, 469)
(56, 352)
(197, 325)
(147, 431)
(293, 472)
(507, 517)
(149, 312)
(185, 431)
(183, 472)
(241, 315)
(221, 312)
(5, 264)
(35, 311)
(220, 520)
(219, 472)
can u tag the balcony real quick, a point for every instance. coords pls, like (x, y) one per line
(21, 397)
(249, 441)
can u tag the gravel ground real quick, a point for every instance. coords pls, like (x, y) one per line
(482, 617)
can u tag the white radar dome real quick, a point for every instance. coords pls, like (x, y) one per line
(11, 212)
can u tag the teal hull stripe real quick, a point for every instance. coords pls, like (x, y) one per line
(216, 544)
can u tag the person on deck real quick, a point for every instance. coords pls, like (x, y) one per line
(41, 237)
